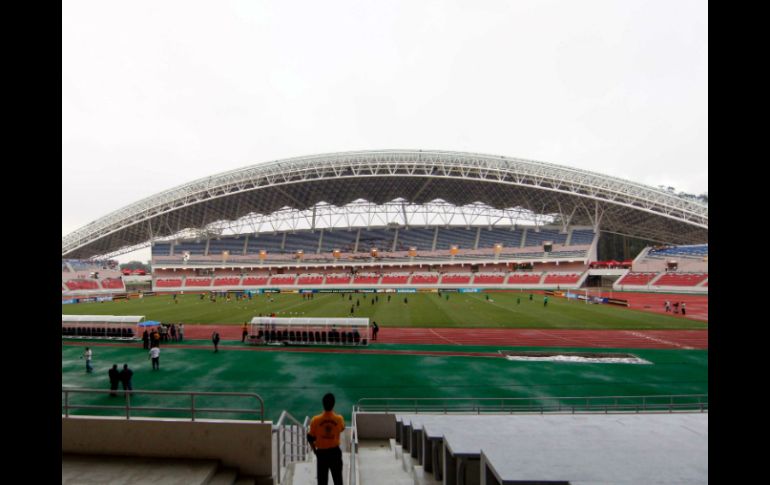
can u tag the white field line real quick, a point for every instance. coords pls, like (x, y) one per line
(659, 340)
(443, 338)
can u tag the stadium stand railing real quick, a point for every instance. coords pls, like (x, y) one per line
(681, 279)
(113, 284)
(489, 278)
(366, 279)
(456, 279)
(310, 279)
(424, 279)
(554, 278)
(524, 278)
(566, 404)
(197, 282)
(130, 410)
(284, 279)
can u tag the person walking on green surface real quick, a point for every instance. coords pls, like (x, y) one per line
(545, 301)
(125, 378)
(114, 375)
(88, 354)
(324, 439)
(155, 356)
(215, 339)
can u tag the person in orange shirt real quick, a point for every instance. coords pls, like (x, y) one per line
(324, 438)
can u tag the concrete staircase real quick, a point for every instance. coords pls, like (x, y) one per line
(379, 462)
(304, 472)
(383, 462)
(106, 470)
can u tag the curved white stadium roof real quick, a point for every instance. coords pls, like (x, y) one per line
(416, 176)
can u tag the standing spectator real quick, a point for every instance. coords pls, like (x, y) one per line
(676, 307)
(324, 438)
(215, 339)
(667, 306)
(88, 354)
(125, 378)
(114, 379)
(146, 339)
(172, 331)
(375, 330)
(163, 333)
(684, 309)
(244, 332)
(155, 338)
(155, 356)
(181, 332)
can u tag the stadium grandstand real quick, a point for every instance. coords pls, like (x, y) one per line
(434, 213)
(487, 256)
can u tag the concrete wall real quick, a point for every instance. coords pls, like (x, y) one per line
(241, 444)
(375, 425)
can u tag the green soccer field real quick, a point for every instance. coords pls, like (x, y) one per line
(295, 381)
(502, 310)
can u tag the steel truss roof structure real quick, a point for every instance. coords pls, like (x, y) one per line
(503, 187)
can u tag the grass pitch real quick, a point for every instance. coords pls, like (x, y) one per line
(462, 310)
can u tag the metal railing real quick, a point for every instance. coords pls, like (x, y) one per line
(352, 472)
(592, 404)
(129, 408)
(292, 435)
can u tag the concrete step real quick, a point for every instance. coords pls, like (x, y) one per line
(224, 476)
(304, 472)
(377, 466)
(421, 477)
(396, 449)
(109, 470)
(408, 462)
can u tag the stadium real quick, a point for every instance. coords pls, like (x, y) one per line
(496, 316)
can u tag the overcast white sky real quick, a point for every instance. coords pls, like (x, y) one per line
(156, 94)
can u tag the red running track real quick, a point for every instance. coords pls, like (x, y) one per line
(628, 339)
(697, 305)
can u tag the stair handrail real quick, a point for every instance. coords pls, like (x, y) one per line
(298, 445)
(352, 469)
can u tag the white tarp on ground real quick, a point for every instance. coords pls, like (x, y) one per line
(574, 358)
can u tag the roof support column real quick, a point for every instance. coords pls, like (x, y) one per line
(598, 213)
(312, 223)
